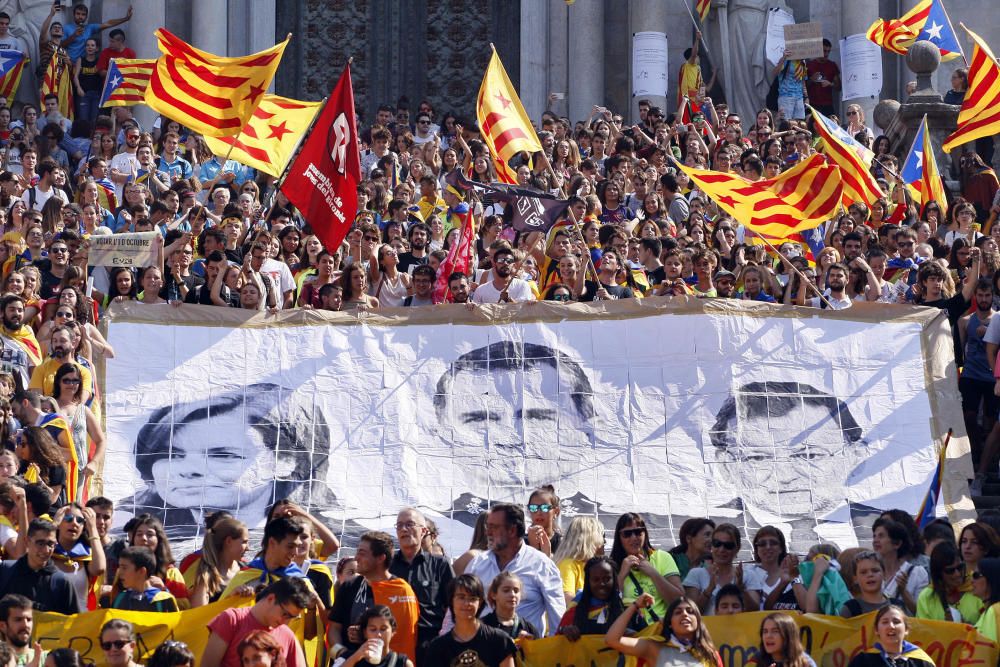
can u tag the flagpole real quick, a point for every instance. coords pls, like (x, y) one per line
(697, 27)
(801, 275)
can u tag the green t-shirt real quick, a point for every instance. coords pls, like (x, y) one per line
(663, 563)
(987, 623)
(929, 606)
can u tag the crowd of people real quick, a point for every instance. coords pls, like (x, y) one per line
(525, 576)
(229, 238)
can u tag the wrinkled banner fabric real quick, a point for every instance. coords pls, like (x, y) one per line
(806, 419)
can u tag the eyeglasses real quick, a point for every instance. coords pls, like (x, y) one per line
(955, 568)
(632, 532)
(72, 518)
(70, 381)
(408, 525)
(64, 313)
(852, 113)
(118, 644)
(373, 239)
(287, 615)
(504, 260)
(59, 250)
(424, 122)
(977, 575)
(719, 544)
(545, 507)
(561, 297)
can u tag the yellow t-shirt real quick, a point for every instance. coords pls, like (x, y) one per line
(690, 82)
(571, 572)
(44, 376)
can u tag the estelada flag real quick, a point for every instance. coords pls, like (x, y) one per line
(920, 170)
(11, 67)
(458, 259)
(897, 35)
(323, 180)
(126, 82)
(270, 137)
(804, 197)
(212, 95)
(502, 120)
(980, 114)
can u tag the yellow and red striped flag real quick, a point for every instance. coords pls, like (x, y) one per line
(702, 7)
(802, 198)
(11, 67)
(502, 120)
(269, 138)
(58, 80)
(897, 35)
(859, 184)
(212, 95)
(126, 82)
(980, 114)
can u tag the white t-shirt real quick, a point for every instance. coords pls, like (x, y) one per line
(698, 577)
(280, 274)
(917, 582)
(123, 162)
(41, 196)
(518, 290)
(838, 304)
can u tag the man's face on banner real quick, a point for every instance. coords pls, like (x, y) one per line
(507, 407)
(788, 453)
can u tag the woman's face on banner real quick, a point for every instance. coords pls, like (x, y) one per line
(208, 467)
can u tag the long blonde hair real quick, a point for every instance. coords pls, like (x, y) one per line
(209, 569)
(583, 538)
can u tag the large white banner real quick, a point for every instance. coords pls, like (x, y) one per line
(812, 422)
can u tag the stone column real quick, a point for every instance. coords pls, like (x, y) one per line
(586, 58)
(147, 16)
(856, 17)
(650, 15)
(210, 26)
(534, 56)
(558, 53)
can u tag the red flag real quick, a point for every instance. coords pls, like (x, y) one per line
(457, 259)
(323, 180)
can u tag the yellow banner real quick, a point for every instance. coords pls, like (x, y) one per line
(831, 641)
(81, 632)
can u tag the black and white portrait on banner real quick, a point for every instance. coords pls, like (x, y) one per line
(795, 423)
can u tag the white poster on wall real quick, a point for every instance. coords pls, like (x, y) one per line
(649, 64)
(774, 44)
(801, 423)
(860, 67)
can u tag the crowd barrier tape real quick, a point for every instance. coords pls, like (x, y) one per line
(830, 640)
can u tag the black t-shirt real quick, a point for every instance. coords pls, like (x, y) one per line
(170, 292)
(656, 276)
(353, 598)
(50, 283)
(406, 260)
(489, 647)
(956, 306)
(616, 291)
(513, 630)
(202, 294)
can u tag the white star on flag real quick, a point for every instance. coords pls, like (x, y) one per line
(920, 159)
(934, 32)
(3, 63)
(115, 82)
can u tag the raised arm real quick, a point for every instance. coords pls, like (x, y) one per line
(113, 22)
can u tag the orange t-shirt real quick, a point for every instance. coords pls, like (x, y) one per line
(396, 594)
